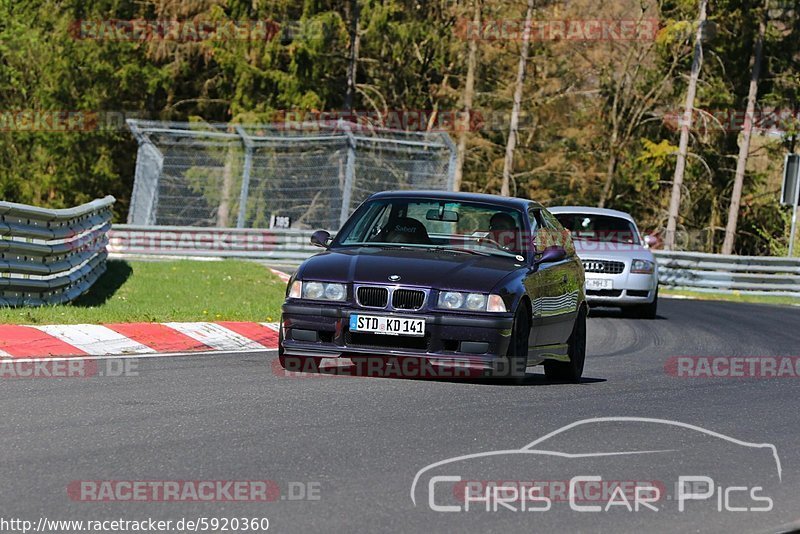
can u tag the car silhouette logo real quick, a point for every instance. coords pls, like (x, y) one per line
(394, 277)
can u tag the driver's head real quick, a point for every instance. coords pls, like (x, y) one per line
(503, 230)
(502, 222)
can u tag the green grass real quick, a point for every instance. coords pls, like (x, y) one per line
(143, 291)
(730, 297)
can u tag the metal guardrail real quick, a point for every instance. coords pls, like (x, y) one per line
(715, 272)
(288, 247)
(690, 270)
(51, 256)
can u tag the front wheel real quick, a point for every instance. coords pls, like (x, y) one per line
(515, 363)
(296, 364)
(572, 370)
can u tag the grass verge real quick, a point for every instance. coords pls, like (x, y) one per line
(143, 291)
(730, 297)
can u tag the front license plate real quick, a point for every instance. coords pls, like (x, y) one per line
(599, 283)
(390, 326)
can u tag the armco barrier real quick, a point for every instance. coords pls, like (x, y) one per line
(277, 246)
(715, 272)
(693, 270)
(51, 256)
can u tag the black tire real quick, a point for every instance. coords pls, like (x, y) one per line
(572, 370)
(513, 367)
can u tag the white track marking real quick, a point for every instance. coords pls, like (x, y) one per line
(95, 339)
(216, 336)
(207, 353)
(272, 326)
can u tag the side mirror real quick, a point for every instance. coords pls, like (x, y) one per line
(552, 255)
(320, 238)
(650, 240)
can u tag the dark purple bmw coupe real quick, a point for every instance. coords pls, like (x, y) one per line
(456, 279)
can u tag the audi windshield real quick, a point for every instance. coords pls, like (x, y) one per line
(590, 227)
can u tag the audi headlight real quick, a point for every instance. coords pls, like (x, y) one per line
(642, 266)
(454, 300)
(318, 291)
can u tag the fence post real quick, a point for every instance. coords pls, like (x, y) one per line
(451, 165)
(144, 198)
(248, 166)
(349, 174)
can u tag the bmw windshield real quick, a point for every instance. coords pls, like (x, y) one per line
(466, 227)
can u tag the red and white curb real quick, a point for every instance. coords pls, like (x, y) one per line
(280, 274)
(135, 339)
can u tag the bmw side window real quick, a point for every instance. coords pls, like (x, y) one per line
(560, 236)
(536, 229)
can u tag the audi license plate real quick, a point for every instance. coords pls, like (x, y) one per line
(599, 283)
(392, 326)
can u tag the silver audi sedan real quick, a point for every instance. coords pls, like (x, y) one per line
(620, 269)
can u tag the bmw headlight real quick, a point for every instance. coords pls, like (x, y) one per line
(451, 300)
(476, 301)
(454, 300)
(318, 291)
(642, 267)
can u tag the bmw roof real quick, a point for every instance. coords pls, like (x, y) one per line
(510, 202)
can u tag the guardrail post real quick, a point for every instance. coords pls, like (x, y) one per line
(248, 166)
(349, 174)
(451, 165)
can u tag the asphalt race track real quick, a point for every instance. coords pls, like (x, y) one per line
(358, 442)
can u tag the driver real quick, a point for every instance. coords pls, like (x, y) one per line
(503, 230)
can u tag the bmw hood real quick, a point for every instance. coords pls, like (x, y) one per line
(418, 268)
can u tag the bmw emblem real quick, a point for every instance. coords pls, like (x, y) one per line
(394, 277)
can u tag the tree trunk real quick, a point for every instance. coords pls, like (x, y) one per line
(680, 167)
(610, 169)
(353, 64)
(228, 179)
(747, 130)
(508, 163)
(469, 93)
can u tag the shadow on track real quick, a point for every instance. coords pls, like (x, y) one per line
(618, 313)
(433, 374)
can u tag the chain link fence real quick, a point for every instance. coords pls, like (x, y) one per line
(265, 176)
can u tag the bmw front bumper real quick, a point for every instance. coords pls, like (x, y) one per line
(322, 331)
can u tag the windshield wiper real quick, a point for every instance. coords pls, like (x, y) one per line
(455, 249)
(499, 252)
